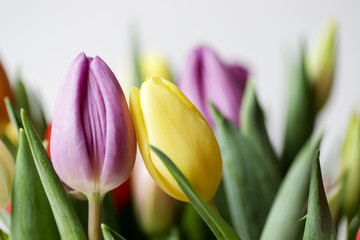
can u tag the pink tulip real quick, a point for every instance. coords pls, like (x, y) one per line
(205, 78)
(93, 144)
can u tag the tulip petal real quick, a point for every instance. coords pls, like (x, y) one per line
(206, 78)
(67, 127)
(171, 125)
(116, 124)
(6, 175)
(143, 142)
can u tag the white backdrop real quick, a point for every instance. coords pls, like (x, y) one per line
(41, 38)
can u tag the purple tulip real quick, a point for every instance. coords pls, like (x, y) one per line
(93, 144)
(206, 78)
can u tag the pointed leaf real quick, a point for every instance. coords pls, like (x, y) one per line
(253, 125)
(283, 220)
(21, 95)
(319, 224)
(300, 114)
(67, 221)
(108, 233)
(29, 214)
(250, 179)
(13, 114)
(220, 228)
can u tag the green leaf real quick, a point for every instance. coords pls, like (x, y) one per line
(21, 95)
(67, 221)
(31, 216)
(283, 220)
(300, 113)
(108, 233)
(319, 225)
(220, 228)
(250, 179)
(136, 60)
(13, 114)
(3, 235)
(5, 222)
(253, 125)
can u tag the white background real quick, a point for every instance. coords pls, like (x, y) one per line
(42, 38)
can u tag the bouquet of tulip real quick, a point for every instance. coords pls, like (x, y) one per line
(201, 162)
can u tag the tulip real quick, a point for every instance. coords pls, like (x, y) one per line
(5, 91)
(93, 144)
(154, 209)
(148, 65)
(321, 65)
(166, 119)
(358, 235)
(206, 78)
(153, 64)
(350, 178)
(6, 175)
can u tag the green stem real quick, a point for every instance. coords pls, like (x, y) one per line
(95, 215)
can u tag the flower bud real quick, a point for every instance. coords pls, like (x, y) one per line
(206, 78)
(321, 65)
(350, 178)
(93, 142)
(166, 119)
(153, 64)
(5, 91)
(6, 175)
(154, 209)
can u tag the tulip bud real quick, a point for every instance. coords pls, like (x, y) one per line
(6, 175)
(155, 210)
(166, 119)
(153, 64)
(5, 91)
(206, 78)
(93, 142)
(350, 178)
(321, 65)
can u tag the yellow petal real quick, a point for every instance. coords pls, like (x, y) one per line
(142, 139)
(175, 126)
(6, 175)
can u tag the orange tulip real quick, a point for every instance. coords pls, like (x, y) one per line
(5, 91)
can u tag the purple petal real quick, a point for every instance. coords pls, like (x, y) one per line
(68, 144)
(93, 143)
(206, 78)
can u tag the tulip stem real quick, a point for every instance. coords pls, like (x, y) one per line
(95, 215)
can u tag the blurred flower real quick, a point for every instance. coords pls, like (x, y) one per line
(165, 118)
(350, 177)
(93, 142)
(321, 65)
(148, 65)
(121, 195)
(155, 210)
(6, 175)
(358, 235)
(153, 64)
(47, 138)
(206, 78)
(5, 91)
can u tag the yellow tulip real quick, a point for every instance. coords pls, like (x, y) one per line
(166, 119)
(321, 65)
(5, 91)
(350, 177)
(153, 64)
(149, 64)
(6, 175)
